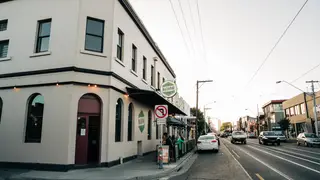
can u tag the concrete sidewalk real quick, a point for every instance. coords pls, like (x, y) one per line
(142, 168)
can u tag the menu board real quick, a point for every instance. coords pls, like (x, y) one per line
(165, 154)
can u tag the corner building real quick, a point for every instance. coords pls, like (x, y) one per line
(78, 83)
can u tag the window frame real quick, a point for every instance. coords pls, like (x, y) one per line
(134, 58)
(3, 42)
(152, 75)
(144, 69)
(130, 135)
(149, 128)
(118, 135)
(94, 35)
(4, 21)
(1, 108)
(39, 38)
(28, 126)
(120, 44)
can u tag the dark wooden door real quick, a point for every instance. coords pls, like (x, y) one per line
(81, 140)
(94, 139)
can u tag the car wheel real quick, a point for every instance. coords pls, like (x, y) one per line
(298, 143)
(216, 150)
(244, 142)
(306, 144)
(264, 143)
(260, 141)
(278, 143)
(272, 144)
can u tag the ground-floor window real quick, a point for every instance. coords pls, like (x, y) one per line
(118, 125)
(130, 124)
(149, 124)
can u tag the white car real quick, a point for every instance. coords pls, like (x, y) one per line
(238, 136)
(208, 142)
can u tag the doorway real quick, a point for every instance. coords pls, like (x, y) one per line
(87, 150)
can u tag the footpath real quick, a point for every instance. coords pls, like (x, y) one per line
(141, 168)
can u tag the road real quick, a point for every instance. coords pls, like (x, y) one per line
(259, 162)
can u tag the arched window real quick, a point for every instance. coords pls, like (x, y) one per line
(34, 118)
(130, 122)
(149, 124)
(118, 120)
(1, 104)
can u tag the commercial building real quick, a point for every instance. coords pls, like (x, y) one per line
(247, 124)
(273, 113)
(299, 110)
(79, 80)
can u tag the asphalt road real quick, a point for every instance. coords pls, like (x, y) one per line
(287, 161)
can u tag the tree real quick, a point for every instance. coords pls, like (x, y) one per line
(284, 124)
(201, 120)
(225, 126)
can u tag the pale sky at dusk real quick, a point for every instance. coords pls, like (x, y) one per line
(238, 35)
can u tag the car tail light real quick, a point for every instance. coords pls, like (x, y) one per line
(214, 140)
(198, 142)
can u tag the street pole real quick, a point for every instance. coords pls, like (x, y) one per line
(258, 120)
(314, 105)
(197, 100)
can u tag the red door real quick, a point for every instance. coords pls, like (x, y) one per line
(82, 140)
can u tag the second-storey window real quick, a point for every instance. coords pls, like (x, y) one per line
(120, 45)
(94, 35)
(3, 25)
(158, 81)
(152, 76)
(4, 45)
(134, 58)
(43, 36)
(144, 70)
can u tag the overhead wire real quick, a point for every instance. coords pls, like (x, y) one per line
(307, 72)
(276, 44)
(201, 32)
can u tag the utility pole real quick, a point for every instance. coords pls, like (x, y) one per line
(258, 120)
(314, 105)
(197, 105)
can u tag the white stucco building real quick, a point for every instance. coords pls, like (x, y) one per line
(78, 84)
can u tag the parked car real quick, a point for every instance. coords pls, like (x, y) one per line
(282, 137)
(217, 137)
(238, 136)
(266, 137)
(308, 139)
(207, 142)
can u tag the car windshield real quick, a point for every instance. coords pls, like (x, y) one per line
(238, 133)
(310, 135)
(206, 137)
(269, 133)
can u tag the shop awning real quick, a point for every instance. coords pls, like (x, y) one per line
(171, 121)
(152, 98)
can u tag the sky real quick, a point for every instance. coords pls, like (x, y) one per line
(237, 37)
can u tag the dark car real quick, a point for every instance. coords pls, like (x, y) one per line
(266, 137)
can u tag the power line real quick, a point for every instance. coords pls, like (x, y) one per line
(315, 67)
(185, 23)
(273, 48)
(201, 33)
(183, 37)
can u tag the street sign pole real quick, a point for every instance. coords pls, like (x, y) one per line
(161, 113)
(161, 150)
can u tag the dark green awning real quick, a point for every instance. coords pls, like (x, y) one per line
(171, 121)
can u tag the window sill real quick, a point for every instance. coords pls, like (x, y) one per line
(143, 80)
(120, 62)
(134, 73)
(93, 53)
(5, 59)
(41, 54)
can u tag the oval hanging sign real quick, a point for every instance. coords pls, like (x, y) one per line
(169, 89)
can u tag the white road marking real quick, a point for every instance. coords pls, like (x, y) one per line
(281, 151)
(306, 167)
(270, 167)
(235, 153)
(303, 150)
(239, 163)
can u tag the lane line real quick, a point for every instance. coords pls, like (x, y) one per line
(287, 151)
(235, 153)
(267, 165)
(306, 167)
(258, 175)
(238, 163)
(303, 150)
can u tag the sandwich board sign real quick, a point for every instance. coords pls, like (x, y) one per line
(169, 89)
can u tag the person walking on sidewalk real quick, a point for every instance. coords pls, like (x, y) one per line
(179, 142)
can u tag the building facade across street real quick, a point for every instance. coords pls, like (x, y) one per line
(79, 81)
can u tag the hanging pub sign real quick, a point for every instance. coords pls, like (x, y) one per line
(141, 121)
(169, 89)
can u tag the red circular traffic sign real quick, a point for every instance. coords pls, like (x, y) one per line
(161, 112)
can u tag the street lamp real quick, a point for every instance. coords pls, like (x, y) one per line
(313, 95)
(197, 103)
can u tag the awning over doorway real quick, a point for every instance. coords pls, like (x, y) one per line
(171, 121)
(152, 98)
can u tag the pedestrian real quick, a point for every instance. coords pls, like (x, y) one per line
(180, 142)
